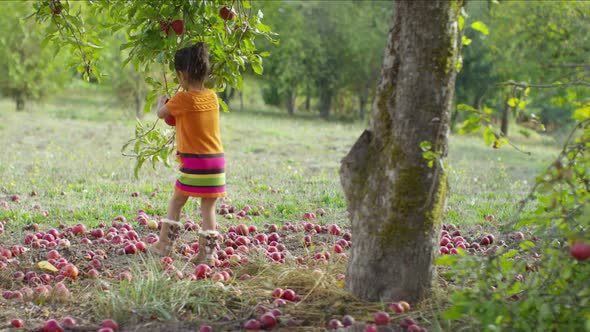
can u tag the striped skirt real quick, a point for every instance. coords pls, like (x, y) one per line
(201, 175)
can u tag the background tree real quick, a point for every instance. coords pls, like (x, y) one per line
(545, 49)
(395, 196)
(327, 50)
(29, 71)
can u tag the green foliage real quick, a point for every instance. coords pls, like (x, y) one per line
(535, 284)
(152, 41)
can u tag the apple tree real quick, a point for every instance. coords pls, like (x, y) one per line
(154, 31)
(395, 196)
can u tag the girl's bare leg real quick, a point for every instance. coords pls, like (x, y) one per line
(208, 213)
(171, 226)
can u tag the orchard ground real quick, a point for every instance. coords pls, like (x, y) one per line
(63, 159)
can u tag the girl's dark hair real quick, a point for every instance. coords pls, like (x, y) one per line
(194, 60)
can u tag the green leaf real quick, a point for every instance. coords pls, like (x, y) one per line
(581, 114)
(223, 105)
(514, 289)
(459, 63)
(527, 91)
(488, 136)
(263, 27)
(466, 41)
(465, 107)
(461, 22)
(525, 245)
(481, 27)
(425, 145)
(257, 67)
(512, 102)
(446, 260)
(510, 253)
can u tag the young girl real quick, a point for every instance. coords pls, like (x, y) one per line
(199, 149)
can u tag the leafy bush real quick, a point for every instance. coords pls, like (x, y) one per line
(535, 284)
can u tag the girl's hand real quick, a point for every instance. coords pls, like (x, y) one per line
(162, 100)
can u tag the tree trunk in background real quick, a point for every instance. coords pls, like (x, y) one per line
(290, 98)
(505, 117)
(242, 100)
(395, 201)
(325, 94)
(363, 97)
(20, 101)
(308, 97)
(139, 103)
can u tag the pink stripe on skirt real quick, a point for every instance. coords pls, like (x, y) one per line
(203, 163)
(202, 190)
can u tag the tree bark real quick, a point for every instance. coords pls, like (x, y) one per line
(395, 200)
(325, 94)
(290, 100)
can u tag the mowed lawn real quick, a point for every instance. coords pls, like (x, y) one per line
(64, 158)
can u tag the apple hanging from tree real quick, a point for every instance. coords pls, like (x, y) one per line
(178, 26)
(580, 251)
(226, 13)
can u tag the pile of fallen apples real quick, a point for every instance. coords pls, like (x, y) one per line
(47, 281)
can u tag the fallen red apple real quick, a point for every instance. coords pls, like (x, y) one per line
(69, 321)
(334, 229)
(70, 271)
(381, 318)
(370, 328)
(334, 324)
(206, 328)
(252, 325)
(16, 323)
(396, 307)
(52, 326)
(289, 295)
(268, 320)
(79, 229)
(278, 293)
(405, 305)
(109, 323)
(202, 271)
(348, 320)
(407, 322)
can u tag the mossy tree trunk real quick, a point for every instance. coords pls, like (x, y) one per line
(394, 198)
